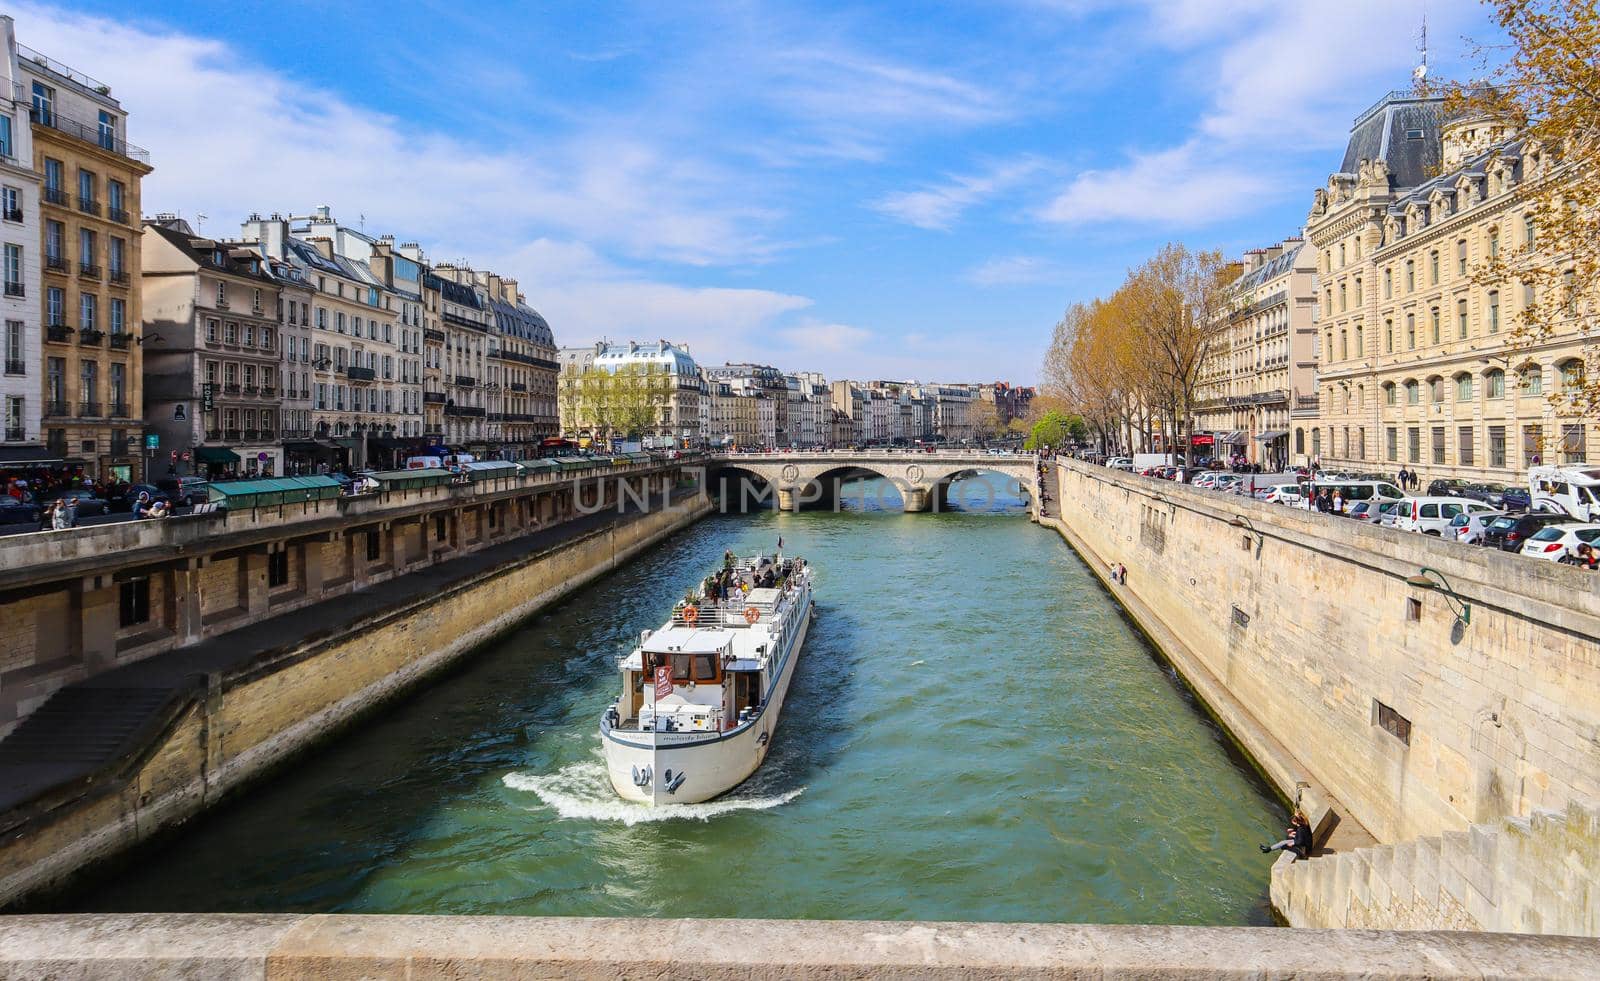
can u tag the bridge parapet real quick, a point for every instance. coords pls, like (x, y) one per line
(802, 476)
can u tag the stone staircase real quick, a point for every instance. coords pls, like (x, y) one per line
(1538, 874)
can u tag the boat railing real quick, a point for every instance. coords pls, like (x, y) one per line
(732, 612)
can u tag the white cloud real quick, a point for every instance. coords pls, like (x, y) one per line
(937, 207)
(1016, 270)
(1180, 186)
(823, 337)
(228, 137)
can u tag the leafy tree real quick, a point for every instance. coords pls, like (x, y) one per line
(1055, 429)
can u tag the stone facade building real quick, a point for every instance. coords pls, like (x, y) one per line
(1264, 360)
(213, 353)
(660, 368)
(1416, 365)
(90, 240)
(21, 440)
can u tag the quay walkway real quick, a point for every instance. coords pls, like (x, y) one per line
(94, 726)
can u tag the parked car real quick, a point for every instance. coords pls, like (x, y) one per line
(1511, 531)
(1432, 515)
(186, 491)
(88, 505)
(1516, 499)
(1555, 542)
(15, 512)
(1121, 463)
(1448, 487)
(1468, 527)
(1374, 511)
(1284, 494)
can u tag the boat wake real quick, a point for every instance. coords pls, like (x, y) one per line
(582, 792)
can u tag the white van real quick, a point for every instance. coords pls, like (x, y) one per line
(1573, 490)
(1121, 463)
(1432, 515)
(1352, 491)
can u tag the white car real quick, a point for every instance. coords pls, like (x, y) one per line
(1283, 494)
(1120, 463)
(1432, 515)
(1468, 527)
(1553, 542)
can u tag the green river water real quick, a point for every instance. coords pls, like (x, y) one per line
(973, 732)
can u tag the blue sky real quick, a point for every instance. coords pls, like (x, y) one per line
(892, 190)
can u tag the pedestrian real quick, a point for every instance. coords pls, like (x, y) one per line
(47, 516)
(1297, 837)
(1587, 558)
(1338, 502)
(141, 507)
(70, 507)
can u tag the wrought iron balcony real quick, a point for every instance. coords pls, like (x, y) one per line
(55, 263)
(56, 408)
(88, 270)
(269, 391)
(430, 334)
(13, 214)
(435, 398)
(119, 410)
(213, 435)
(88, 206)
(88, 410)
(55, 195)
(16, 289)
(16, 367)
(250, 435)
(60, 333)
(251, 390)
(89, 133)
(360, 374)
(266, 435)
(118, 215)
(91, 337)
(231, 388)
(119, 277)
(519, 386)
(16, 434)
(119, 340)
(233, 435)
(465, 381)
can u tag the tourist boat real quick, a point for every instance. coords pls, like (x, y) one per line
(701, 696)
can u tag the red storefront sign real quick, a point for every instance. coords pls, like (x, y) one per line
(1202, 439)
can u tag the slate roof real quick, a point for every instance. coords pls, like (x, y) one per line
(521, 320)
(453, 292)
(1271, 270)
(1384, 132)
(202, 252)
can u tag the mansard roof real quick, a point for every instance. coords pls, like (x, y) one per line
(1403, 131)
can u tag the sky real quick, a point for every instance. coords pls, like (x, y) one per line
(868, 190)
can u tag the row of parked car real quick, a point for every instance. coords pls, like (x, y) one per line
(175, 491)
(1485, 514)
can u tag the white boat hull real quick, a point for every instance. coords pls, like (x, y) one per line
(688, 767)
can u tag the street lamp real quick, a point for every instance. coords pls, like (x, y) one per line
(1459, 606)
(1240, 521)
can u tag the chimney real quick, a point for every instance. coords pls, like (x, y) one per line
(1274, 252)
(1254, 259)
(271, 233)
(493, 284)
(508, 290)
(324, 213)
(324, 245)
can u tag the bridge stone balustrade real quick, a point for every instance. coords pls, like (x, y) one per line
(811, 477)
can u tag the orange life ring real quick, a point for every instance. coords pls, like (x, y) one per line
(751, 614)
(691, 614)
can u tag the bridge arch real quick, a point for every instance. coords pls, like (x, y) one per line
(812, 479)
(980, 488)
(739, 488)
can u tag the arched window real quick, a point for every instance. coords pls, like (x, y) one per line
(1463, 387)
(1411, 331)
(1494, 384)
(1571, 373)
(1436, 389)
(1413, 392)
(1388, 335)
(1494, 242)
(1344, 298)
(1388, 283)
(1300, 441)
(1433, 324)
(1411, 276)
(1390, 394)
(1433, 268)
(1461, 257)
(1532, 379)
(1461, 318)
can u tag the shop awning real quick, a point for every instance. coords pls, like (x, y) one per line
(387, 442)
(1236, 438)
(348, 442)
(27, 456)
(238, 494)
(215, 454)
(1271, 435)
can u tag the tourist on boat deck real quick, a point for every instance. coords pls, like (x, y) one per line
(1299, 837)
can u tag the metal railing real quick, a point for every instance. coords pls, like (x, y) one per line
(60, 333)
(16, 434)
(55, 263)
(88, 410)
(16, 289)
(119, 410)
(118, 215)
(16, 367)
(91, 337)
(89, 133)
(88, 270)
(55, 195)
(88, 206)
(119, 340)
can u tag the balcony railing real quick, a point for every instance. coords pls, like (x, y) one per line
(16, 289)
(56, 195)
(118, 215)
(231, 388)
(88, 206)
(465, 381)
(16, 367)
(269, 391)
(473, 411)
(13, 214)
(60, 333)
(251, 435)
(266, 435)
(436, 398)
(54, 409)
(213, 435)
(119, 410)
(55, 263)
(119, 277)
(119, 340)
(88, 410)
(89, 133)
(430, 334)
(233, 435)
(91, 337)
(360, 374)
(88, 270)
(16, 434)
(251, 390)
(519, 386)
(297, 434)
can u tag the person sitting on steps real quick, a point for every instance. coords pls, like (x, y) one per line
(1298, 840)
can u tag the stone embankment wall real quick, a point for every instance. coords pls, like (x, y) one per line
(1539, 874)
(1345, 681)
(423, 947)
(251, 719)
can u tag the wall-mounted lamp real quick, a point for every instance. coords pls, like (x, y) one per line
(148, 336)
(1434, 579)
(1242, 522)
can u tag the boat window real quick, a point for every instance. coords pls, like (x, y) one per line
(680, 667)
(705, 667)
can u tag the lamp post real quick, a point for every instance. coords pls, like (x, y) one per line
(1434, 579)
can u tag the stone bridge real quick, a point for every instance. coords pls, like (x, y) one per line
(803, 478)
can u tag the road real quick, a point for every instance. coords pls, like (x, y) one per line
(99, 519)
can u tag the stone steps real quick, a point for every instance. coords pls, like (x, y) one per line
(82, 725)
(1530, 874)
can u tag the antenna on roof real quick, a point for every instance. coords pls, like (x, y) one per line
(363, 217)
(1420, 73)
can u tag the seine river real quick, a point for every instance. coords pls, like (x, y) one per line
(974, 732)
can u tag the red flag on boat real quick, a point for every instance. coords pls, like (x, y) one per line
(663, 681)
